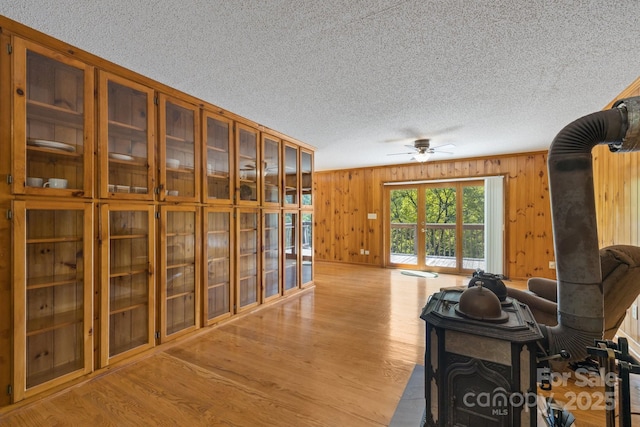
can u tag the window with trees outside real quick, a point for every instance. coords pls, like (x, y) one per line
(437, 226)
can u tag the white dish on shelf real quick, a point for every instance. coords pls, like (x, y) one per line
(172, 192)
(173, 163)
(44, 143)
(139, 190)
(120, 156)
(122, 188)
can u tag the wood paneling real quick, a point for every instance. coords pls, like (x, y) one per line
(345, 197)
(616, 177)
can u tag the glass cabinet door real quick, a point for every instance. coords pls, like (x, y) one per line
(290, 175)
(179, 152)
(179, 275)
(306, 178)
(247, 143)
(271, 254)
(307, 248)
(218, 134)
(127, 291)
(126, 145)
(54, 123)
(247, 260)
(53, 283)
(218, 232)
(270, 170)
(291, 251)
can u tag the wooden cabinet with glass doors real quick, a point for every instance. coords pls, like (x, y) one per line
(127, 310)
(271, 258)
(218, 155)
(126, 139)
(247, 165)
(306, 253)
(271, 195)
(179, 281)
(291, 195)
(306, 178)
(53, 294)
(53, 122)
(179, 150)
(218, 232)
(291, 251)
(247, 259)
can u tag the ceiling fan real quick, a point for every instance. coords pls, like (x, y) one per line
(422, 150)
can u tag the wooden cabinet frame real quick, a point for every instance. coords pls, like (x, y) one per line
(21, 285)
(128, 130)
(247, 167)
(268, 275)
(290, 181)
(267, 190)
(183, 169)
(248, 265)
(58, 113)
(163, 295)
(105, 236)
(209, 168)
(209, 264)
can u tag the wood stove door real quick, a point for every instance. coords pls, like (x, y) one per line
(479, 394)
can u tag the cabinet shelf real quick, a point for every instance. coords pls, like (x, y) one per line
(128, 236)
(179, 295)
(50, 281)
(178, 139)
(217, 232)
(54, 240)
(218, 175)
(53, 151)
(35, 379)
(220, 258)
(218, 149)
(52, 322)
(136, 162)
(54, 114)
(125, 127)
(218, 285)
(128, 305)
(128, 271)
(128, 346)
(185, 263)
(185, 170)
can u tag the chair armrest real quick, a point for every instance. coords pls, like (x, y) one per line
(544, 288)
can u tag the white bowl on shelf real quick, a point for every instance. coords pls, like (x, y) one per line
(172, 193)
(173, 163)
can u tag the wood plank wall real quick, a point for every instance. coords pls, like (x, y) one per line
(343, 198)
(617, 193)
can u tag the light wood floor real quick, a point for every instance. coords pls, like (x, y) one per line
(338, 355)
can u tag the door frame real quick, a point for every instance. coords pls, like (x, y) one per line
(421, 186)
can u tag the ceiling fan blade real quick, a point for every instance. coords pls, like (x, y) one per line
(443, 146)
(413, 147)
(400, 154)
(442, 152)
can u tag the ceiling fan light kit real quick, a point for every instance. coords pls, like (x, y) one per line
(423, 150)
(422, 156)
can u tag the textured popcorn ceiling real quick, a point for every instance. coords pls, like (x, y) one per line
(359, 79)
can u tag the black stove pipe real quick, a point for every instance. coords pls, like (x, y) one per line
(580, 295)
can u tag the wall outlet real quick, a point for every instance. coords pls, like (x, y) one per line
(361, 251)
(366, 252)
(552, 265)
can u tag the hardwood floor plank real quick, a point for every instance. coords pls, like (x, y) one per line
(340, 355)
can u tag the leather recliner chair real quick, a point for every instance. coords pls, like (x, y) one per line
(621, 286)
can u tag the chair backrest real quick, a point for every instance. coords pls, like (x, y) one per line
(620, 283)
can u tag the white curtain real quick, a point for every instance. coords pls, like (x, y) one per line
(494, 224)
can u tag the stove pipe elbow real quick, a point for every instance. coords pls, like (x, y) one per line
(580, 294)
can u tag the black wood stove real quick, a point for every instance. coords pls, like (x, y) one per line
(480, 360)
